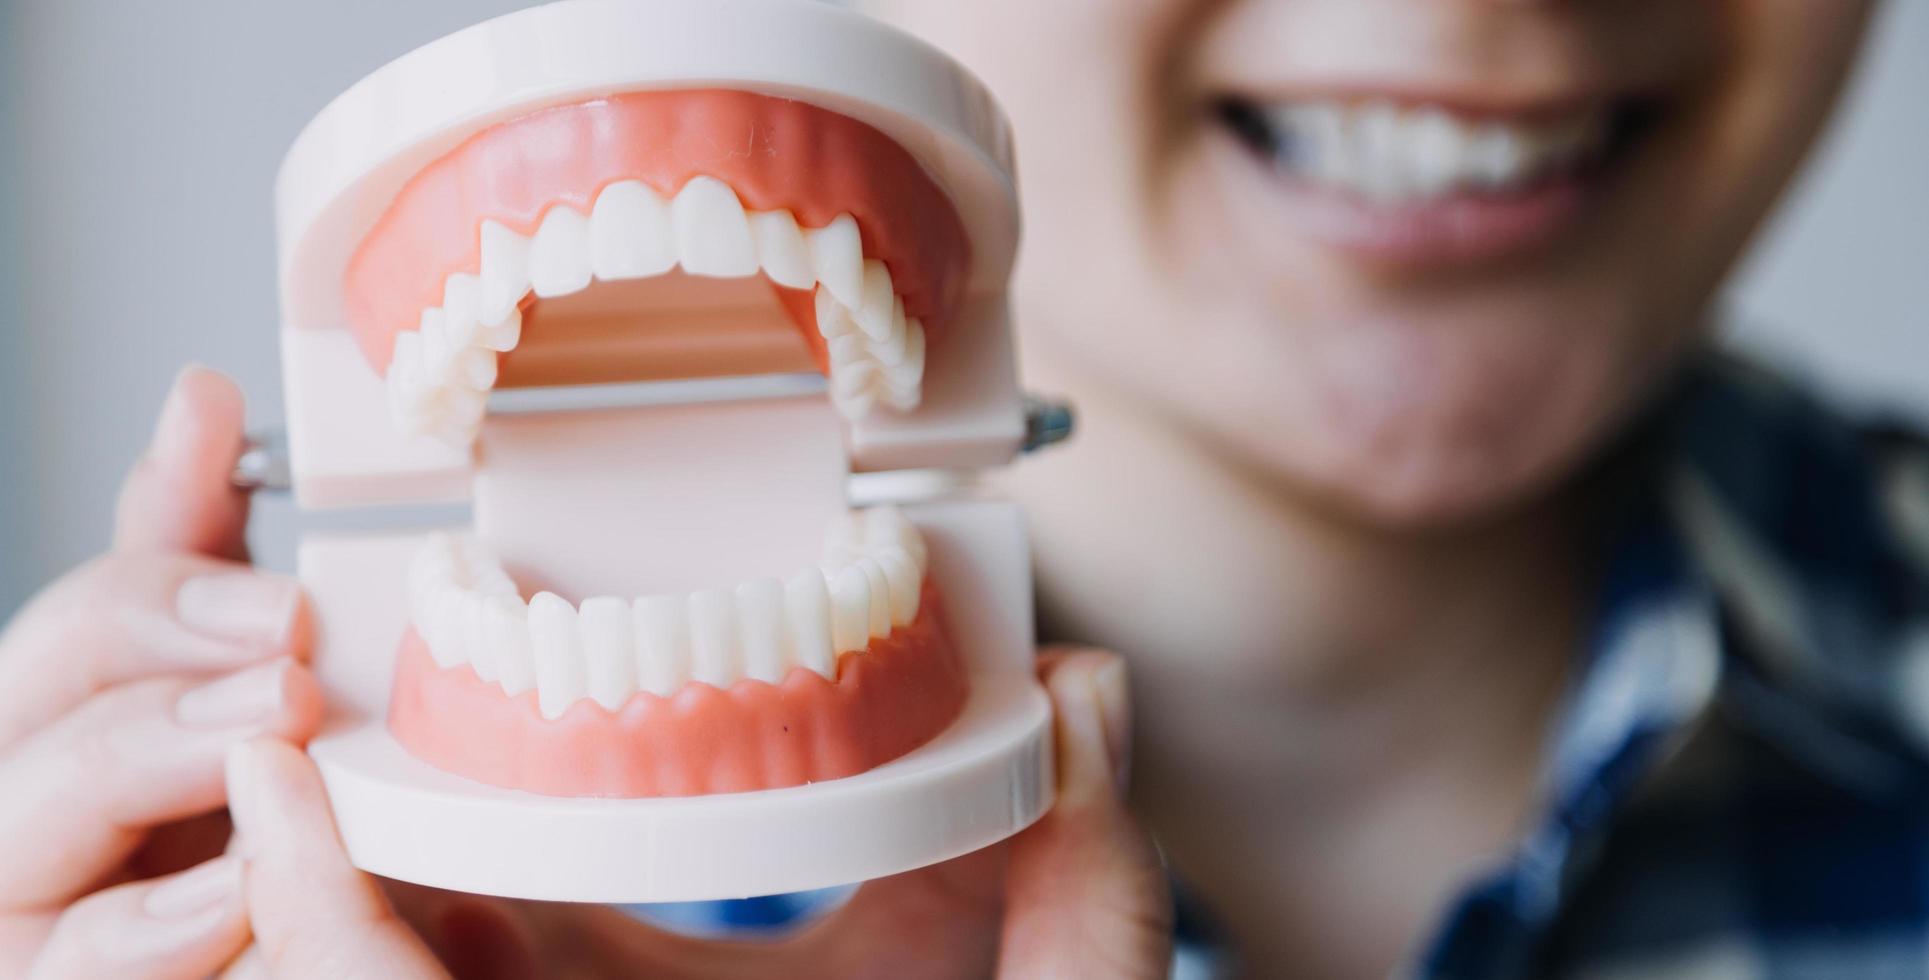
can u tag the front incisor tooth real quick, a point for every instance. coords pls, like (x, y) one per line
(505, 272)
(556, 648)
(559, 254)
(760, 626)
(873, 312)
(713, 638)
(781, 251)
(608, 656)
(662, 644)
(712, 233)
(807, 618)
(837, 256)
(629, 233)
(505, 631)
(850, 591)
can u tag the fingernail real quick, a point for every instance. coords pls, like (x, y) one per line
(196, 890)
(174, 430)
(1112, 691)
(244, 698)
(242, 807)
(252, 607)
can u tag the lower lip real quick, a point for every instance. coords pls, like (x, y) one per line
(1462, 229)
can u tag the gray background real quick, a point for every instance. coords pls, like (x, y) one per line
(138, 144)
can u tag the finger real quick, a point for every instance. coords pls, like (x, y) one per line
(179, 496)
(1085, 895)
(81, 795)
(312, 913)
(176, 928)
(131, 616)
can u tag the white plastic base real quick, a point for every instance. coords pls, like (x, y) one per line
(985, 778)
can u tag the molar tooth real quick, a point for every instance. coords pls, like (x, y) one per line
(662, 644)
(475, 367)
(1380, 138)
(760, 629)
(407, 385)
(502, 335)
(807, 614)
(837, 254)
(850, 591)
(901, 570)
(713, 639)
(630, 236)
(505, 632)
(873, 314)
(781, 250)
(890, 348)
(886, 526)
(1498, 156)
(1326, 144)
(434, 564)
(558, 654)
(712, 233)
(609, 660)
(833, 320)
(911, 367)
(461, 305)
(559, 254)
(844, 540)
(880, 589)
(505, 272)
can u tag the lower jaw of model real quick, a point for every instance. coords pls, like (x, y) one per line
(776, 682)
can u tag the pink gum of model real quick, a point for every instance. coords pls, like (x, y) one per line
(775, 153)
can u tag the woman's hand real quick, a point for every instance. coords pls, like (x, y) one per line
(1079, 894)
(122, 687)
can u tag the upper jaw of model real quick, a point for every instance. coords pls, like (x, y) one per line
(442, 372)
(643, 185)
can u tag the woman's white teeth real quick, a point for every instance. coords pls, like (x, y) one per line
(441, 373)
(1394, 155)
(467, 612)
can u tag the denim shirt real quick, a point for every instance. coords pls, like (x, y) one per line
(1738, 784)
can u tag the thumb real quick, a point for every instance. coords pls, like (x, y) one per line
(178, 497)
(313, 914)
(1085, 895)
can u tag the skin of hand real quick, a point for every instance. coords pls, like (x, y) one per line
(122, 686)
(164, 680)
(1334, 510)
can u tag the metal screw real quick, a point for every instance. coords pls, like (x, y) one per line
(1047, 421)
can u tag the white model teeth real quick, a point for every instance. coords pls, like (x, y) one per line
(467, 611)
(1394, 155)
(441, 373)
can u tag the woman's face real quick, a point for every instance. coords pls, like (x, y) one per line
(1413, 257)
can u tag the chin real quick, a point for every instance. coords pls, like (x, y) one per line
(1436, 430)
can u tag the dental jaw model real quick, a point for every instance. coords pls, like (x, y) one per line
(647, 671)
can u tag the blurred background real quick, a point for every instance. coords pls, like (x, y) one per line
(139, 141)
